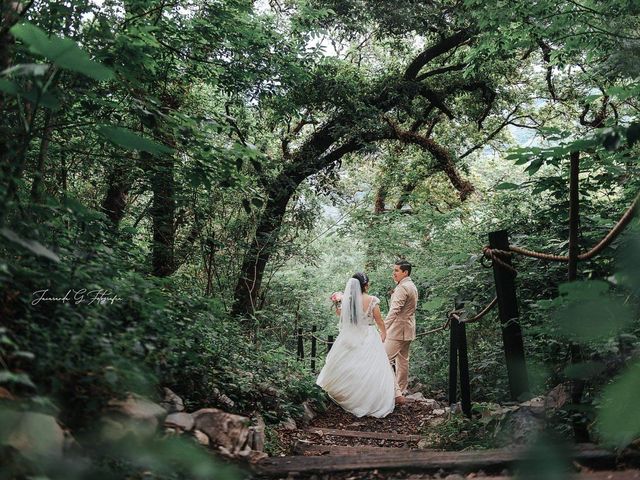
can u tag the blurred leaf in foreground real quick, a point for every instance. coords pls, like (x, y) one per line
(545, 459)
(619, 417)
(590, 312)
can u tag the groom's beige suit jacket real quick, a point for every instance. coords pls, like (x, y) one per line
(401, 320)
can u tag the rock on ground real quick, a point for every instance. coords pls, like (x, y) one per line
(288, 424)
(181, 420)
(134, 414)
(309, 414)
(36, 436)
(171, 402)
(201, 437)
(257, 433)
(227, 432)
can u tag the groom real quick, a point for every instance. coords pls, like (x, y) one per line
(401, 325)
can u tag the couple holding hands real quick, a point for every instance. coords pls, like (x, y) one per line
(357, 373)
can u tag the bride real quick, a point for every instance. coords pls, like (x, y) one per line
(357, 374)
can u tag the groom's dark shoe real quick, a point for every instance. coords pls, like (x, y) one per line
(401, 400)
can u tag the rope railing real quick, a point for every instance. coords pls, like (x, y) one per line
(456, 315)
(444, 326)
(495, 254)
(453, 315)
(477, 317)
(327, 342)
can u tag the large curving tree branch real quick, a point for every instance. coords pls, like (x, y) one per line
(445, 45)
(442, 156)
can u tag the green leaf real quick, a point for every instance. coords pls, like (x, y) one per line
(534, 166)
(23, 355)
(624, 92)
(16, 378)
(628, 261)
(31, 245)
(63, 52)
(7, 86)
(545, 458)
(124, 137)
(619, 416)
(45, 99)
(593, 319)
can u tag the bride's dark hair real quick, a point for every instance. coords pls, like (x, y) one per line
(362, 278)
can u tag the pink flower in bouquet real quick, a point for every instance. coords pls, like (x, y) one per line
(336, 298)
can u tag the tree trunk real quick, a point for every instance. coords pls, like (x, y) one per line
(36, 186)
(12, 141)
(163, 186)
(115, 199)
(257, 255)
(381, 197)
(580, 431)
(162, 214)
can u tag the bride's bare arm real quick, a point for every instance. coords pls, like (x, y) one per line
(377, 316)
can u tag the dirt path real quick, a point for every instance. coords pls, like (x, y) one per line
(337, 445)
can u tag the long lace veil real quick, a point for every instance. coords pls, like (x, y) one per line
(352, 322)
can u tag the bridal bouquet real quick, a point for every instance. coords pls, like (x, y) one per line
(336, 298)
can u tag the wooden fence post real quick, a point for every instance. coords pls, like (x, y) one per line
(453, 361)
(459, 359)
(463, 361)
(313, 348)
(329, 343)
(508, 307)
(300, 345)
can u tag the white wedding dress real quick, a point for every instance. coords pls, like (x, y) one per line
(357, 374)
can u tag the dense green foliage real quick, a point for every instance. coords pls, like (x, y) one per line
(214, 170)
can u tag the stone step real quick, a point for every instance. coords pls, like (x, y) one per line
(364, 434)
(302, 447)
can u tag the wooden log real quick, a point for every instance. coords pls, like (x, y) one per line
(508, 308)
(416, 460)
(364, 434)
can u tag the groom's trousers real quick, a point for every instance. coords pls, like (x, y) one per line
(398, 352)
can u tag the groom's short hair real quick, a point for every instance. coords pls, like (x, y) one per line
(404, 266)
